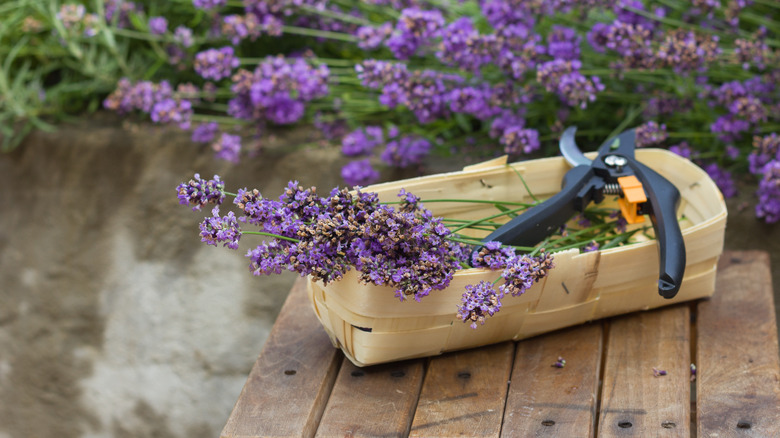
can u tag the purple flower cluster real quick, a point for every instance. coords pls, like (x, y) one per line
(208, 4)
(158, 25)
(753, 51)
(650, 133)
(423, 92)
(359, 173)
(199, 192)
(277, 90)
(479, 302)
(362, 141)
(228, 147)
(118, 11)
(157, 100)
(765, 149)
(406, 151)
(415, 28)
(519, 272)
(564, 79)
(722, 178)
(325, 237)
(216, 63)
(205, 133)
(768, 207)
(172, 110)
(371, 38)
(224, 229)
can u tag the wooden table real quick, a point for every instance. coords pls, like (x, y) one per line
(302, 386)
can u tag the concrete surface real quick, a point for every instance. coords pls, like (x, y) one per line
(115, 321)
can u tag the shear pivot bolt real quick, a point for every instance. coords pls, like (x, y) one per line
(615, 161)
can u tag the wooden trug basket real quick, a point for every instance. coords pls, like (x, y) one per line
(372, 326)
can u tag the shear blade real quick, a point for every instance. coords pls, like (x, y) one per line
(569, 148)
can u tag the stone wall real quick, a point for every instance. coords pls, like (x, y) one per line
(115, 321)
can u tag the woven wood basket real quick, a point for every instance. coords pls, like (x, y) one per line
(370, 325)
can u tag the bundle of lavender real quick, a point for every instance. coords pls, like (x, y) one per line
(402, 245)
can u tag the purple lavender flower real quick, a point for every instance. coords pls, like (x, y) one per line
(371, 38)
(517, 140)
(478, 303)
(522, 271)
(564, 78)
(464, 47)
(240, 27)
(406, 151)
(208, 4)
(729, 128)
(183, 36)
(504, 121)
(749, 108)
(284, 110)
(158, 25)
(414, 29)
(361, 141)
(277, 90)
(228, 147)
(474, 101)
(177, 111)
(409, 201)
(216, 63)
(768, 207)
(592, 246)
(722, 179)
(143, 96)
(492, 255)
(684, 51)
(359, 173)
(752, 51)
(199, 192)
(598, 36)
(684, 150)
(205, 133)
(218, 229)
(650, 133)
(766, 149)
(71, 15)
(118, 12)
(563, 43)
(407, 250)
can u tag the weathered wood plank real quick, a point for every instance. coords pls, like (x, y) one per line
(738, 370)
(556, 402)
(634, 402)
(373, 401)
(289, 384)
(464, 393)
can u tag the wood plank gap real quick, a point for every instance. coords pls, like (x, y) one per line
(693, 306)
(605, 328)
(509, 384)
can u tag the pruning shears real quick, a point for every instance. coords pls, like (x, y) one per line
(614, 171)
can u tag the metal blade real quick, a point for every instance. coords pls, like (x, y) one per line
(569, 148)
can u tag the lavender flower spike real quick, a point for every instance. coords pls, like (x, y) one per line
(218, 229)
(479, 302)
(199, 192)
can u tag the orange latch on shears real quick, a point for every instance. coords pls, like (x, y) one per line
(633, 194)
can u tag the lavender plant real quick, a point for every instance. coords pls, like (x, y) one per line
(396, 81)
(401, 245)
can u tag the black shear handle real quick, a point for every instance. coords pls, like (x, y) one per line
(664, 199)
(538, 222)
